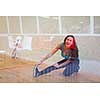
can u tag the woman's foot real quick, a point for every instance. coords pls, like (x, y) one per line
(36, 71)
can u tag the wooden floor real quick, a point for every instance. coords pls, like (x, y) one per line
(21, 71)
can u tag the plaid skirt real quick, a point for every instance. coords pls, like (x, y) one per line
(69, 68)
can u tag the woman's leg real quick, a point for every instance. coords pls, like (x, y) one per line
(77, 67)
(71, 68)
(48, 69)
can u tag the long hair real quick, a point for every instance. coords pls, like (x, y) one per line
(73, 46)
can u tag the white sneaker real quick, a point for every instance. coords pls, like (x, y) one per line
(36, 71)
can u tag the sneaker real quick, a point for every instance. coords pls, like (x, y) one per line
(36, 71)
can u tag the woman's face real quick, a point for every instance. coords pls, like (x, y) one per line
(69, 42)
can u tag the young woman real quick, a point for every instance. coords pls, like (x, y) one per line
(70, 63)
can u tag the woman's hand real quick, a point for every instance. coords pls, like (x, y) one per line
(39, 63)
(56, 65)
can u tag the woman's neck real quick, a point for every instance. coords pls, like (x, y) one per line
(66, 48)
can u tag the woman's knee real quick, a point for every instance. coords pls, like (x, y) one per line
(67, 71)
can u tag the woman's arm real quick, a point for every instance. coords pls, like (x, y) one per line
(73, 56)
(62, 64)
(50, 54)
(66, 62)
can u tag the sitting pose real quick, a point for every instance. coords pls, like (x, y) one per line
(70, 63)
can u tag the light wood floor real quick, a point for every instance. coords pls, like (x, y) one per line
(21, 71)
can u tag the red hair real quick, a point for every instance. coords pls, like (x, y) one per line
(73, 46)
